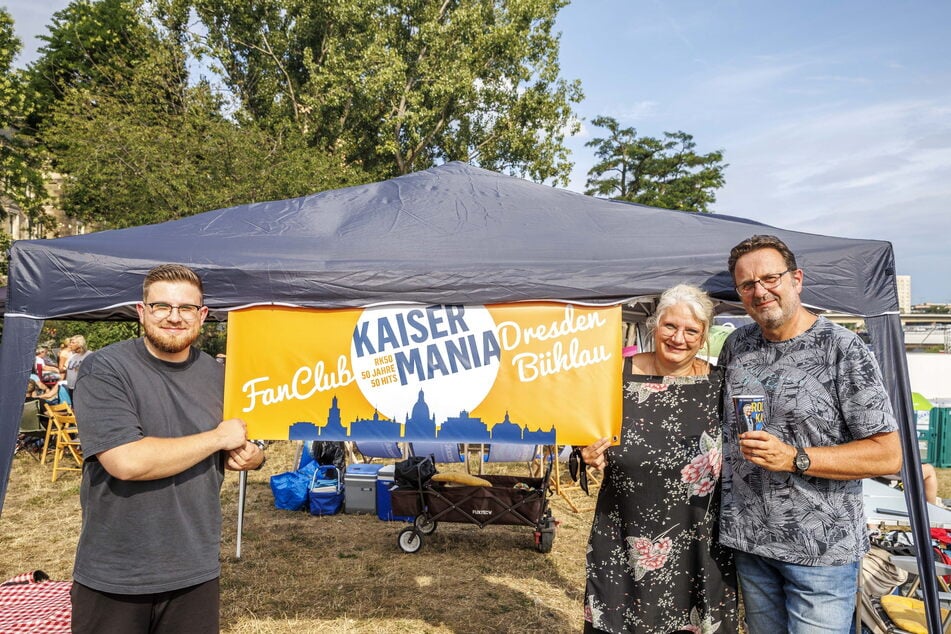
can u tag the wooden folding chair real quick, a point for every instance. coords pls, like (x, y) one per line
(560, 455)
(51, 411)
(66, 439)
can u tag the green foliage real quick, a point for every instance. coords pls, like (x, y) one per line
(321, 95)
(157, 149)
(400, 86)
(5, 242)
(89, 44)
(20, 177)
(664, 173)
(213, 338)
(98, 334)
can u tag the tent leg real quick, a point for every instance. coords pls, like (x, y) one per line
(242, 490)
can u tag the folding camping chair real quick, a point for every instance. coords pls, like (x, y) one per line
(31, 428)
(510, 452)
(442, 452)
(907, 611)
(373, 449)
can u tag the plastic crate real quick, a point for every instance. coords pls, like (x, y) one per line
(385, 481)
(939, 437)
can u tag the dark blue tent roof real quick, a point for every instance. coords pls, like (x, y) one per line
(450, 234)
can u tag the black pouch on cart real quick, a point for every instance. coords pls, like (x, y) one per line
(414, 472)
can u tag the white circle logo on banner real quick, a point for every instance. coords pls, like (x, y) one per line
(451, 353)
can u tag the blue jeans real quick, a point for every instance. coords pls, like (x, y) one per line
(782, 597)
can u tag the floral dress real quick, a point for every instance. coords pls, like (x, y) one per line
(654, 563)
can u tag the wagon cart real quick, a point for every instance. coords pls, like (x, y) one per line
(510, 500)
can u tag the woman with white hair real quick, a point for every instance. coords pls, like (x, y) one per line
(654, 563)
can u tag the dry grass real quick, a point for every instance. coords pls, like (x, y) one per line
(944, 482)
(343, 573)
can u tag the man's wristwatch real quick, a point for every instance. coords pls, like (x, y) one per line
(261, 444)
(802, 461)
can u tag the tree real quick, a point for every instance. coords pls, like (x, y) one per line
(98, 334)
(161, 150)
(89, 44)
(20, 177)
(138, 142)
(400, 86)
(664, 173)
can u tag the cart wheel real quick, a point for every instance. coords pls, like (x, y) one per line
(424, 525)
(410, 540)
(545, 537)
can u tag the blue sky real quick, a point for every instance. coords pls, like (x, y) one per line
(834, 117)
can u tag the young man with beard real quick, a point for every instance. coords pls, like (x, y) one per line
(149, 415)
(792, 493)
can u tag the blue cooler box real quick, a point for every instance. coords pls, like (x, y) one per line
(360, 488)
(385, 479)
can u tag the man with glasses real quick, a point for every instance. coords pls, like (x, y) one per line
(792, 493)
(149, 416)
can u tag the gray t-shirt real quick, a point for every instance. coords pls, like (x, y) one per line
(143, 537)
(822, 388)
(72, 368)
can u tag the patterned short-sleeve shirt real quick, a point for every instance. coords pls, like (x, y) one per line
(822, 388)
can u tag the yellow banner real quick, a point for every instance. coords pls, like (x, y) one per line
(521, 373)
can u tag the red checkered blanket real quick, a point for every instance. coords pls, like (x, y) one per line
(30, 602)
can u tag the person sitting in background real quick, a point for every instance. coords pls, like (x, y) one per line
(654, 562)
(930, 478)
(43, 366)
(50, 394)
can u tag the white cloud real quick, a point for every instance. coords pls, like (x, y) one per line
(881, 171)
(760, 77)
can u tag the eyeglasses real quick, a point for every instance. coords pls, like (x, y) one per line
(691, 335)
(161, 310)
(768, 282)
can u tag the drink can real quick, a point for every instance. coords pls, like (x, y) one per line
(750, 412)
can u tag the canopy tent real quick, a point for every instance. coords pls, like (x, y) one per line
(452, 234)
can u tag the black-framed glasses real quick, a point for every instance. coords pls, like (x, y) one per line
(161, 310)
(768, 282)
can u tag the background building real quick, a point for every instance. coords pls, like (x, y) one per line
(904, 293)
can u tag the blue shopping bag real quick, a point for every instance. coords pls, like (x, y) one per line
(290, 488)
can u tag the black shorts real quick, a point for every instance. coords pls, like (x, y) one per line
(193, 609)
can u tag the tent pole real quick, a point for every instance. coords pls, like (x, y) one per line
(888, 343)
(242, 490)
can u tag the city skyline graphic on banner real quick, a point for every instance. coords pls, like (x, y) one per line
(419, 425)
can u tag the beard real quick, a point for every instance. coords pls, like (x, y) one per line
(777, 315)
(171, 344)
